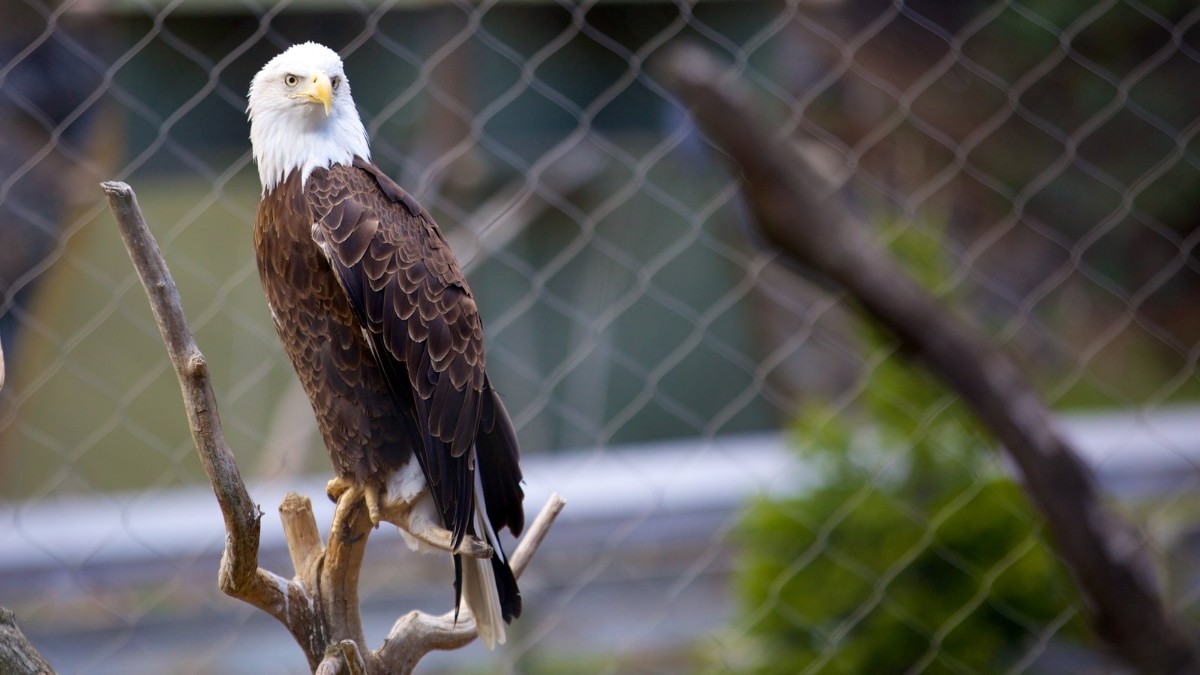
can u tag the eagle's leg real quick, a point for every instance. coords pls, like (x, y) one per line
(421, 527)
(402, 514)
(344, 488)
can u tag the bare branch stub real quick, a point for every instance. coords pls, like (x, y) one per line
(300, 531)
(17, 656)
(320, 606)
(796, 211)
(342, 657)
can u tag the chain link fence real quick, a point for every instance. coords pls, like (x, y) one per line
(755, 480)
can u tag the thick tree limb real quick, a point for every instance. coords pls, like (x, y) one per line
(17, 656)
(319, 605)
(797, 212)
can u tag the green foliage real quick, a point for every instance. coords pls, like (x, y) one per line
(921, 556)
(915, 554)
(878, 588)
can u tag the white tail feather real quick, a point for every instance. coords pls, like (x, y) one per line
(479, 580)
(480, 595)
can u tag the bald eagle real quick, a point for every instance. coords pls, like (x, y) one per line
(381, 327)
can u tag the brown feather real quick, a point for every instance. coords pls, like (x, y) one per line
(350, 399)
(415, 381)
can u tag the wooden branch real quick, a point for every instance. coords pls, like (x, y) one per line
(17, 656)
(343, 657)
(300, 530)
(320, 605)
(339, 575)
(536, 534)
(416, 634)
(239, 574)
(797, 212)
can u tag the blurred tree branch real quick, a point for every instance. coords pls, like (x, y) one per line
(17, 656)
(798, 213)
(319, 605)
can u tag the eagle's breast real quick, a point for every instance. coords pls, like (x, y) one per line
(358, 418)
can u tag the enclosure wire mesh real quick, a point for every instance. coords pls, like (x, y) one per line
(1039, 157)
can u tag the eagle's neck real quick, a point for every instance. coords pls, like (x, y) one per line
(285, 141)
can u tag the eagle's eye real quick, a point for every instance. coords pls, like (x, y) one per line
(337, 80)
(291, 80)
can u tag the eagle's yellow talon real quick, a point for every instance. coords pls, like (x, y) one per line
(337, 487)
(371, 493)
(341, 488)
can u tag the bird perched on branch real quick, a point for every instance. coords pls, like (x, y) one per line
(383, 331)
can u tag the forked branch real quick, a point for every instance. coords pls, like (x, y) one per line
(319, 605)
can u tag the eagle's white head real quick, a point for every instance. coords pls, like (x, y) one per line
(302, 116)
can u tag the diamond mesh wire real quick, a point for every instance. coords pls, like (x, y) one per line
(1040, 156)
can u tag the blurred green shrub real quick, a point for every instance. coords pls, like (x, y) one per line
(915, 553)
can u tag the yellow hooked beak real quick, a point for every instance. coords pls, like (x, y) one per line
(319, 90)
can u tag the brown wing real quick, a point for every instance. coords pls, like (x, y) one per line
(408, 292)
